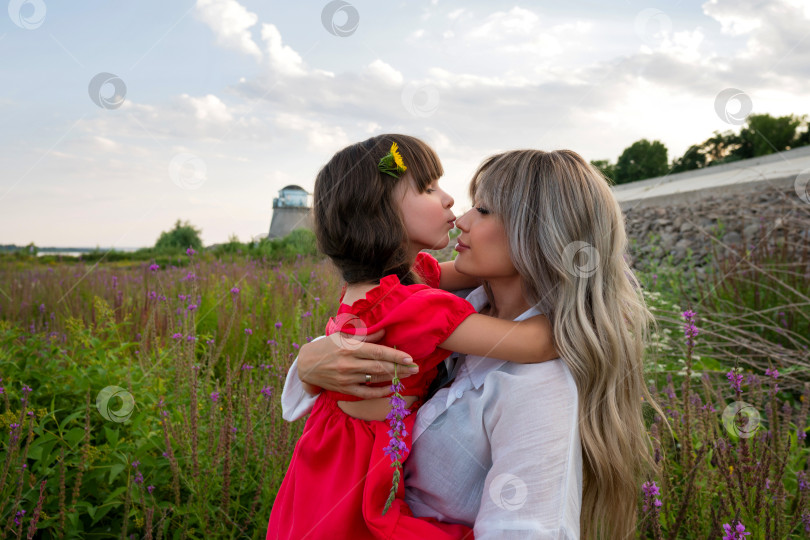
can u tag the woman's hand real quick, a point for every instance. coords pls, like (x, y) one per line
(340, 362)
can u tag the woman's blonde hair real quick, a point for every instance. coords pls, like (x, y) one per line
(568, 242)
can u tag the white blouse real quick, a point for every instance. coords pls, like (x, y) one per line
(497, 450)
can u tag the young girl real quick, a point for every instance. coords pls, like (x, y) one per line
(377, 205)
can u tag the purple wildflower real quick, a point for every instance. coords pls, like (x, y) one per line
(295, 346)
(801, 479)
(772, 373)
(248, 331)
(192, 307)
(235, 291)
(278, 325)
(154, 267)
(191, 338)
(651, 493)
(177, 335)
(736, 533)
(13, 432)
(397, 449)
(136, 463)
(246, 367)
(689, 329)
(18, 516)
(150, 489)
(267, 391)
(190, 252)
(271, 342)
(214, 396)
(736, 380)
(306, 314)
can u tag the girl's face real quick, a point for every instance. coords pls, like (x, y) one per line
(427, 216)
(482, 246)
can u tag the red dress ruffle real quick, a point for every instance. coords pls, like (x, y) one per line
(339, 476)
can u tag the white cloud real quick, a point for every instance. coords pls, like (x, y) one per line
(282, 57)
(371, 128)
(385, 73)
(208, 108)
(502, 24)
(321, 137)
(105, 144)
(737, 18)
(684, 46)
(231, 24)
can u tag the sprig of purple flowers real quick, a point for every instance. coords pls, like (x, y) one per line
(689, 329)
(735, 533)
(736, 380)
(651, 493)
(653, 505)
(396, 449)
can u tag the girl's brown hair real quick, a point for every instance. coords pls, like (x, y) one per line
(357, 221)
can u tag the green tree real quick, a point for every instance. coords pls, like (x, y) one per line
(692, 159)
(607, 168)
(802, 136)
(721, 147)
(764, 134)
(182, 236)
(642, 159)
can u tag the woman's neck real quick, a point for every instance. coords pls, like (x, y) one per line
(507, 294)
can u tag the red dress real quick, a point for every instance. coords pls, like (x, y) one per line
(339, 477)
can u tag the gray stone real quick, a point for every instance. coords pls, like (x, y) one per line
(732, 238)
(751, 231)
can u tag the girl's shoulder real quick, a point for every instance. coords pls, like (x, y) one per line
(428, 269)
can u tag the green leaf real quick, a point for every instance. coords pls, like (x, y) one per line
(74, 436)
(112, 436)
(70, 418)
(116, 492)
(101, 511)
(115, 470)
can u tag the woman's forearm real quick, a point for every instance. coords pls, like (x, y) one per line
(295, 401)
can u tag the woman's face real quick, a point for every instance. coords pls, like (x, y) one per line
(482, 246)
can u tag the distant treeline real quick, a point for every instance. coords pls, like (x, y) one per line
(173, 244)
(762, 134)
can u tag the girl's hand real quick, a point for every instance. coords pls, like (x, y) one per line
(340, 362)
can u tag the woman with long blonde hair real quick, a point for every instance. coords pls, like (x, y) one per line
(566, 436)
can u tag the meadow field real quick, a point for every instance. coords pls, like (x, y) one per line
(141, 399)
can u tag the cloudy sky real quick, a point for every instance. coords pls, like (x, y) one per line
(120, 117)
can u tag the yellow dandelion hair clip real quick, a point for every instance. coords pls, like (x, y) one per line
(391, 163)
